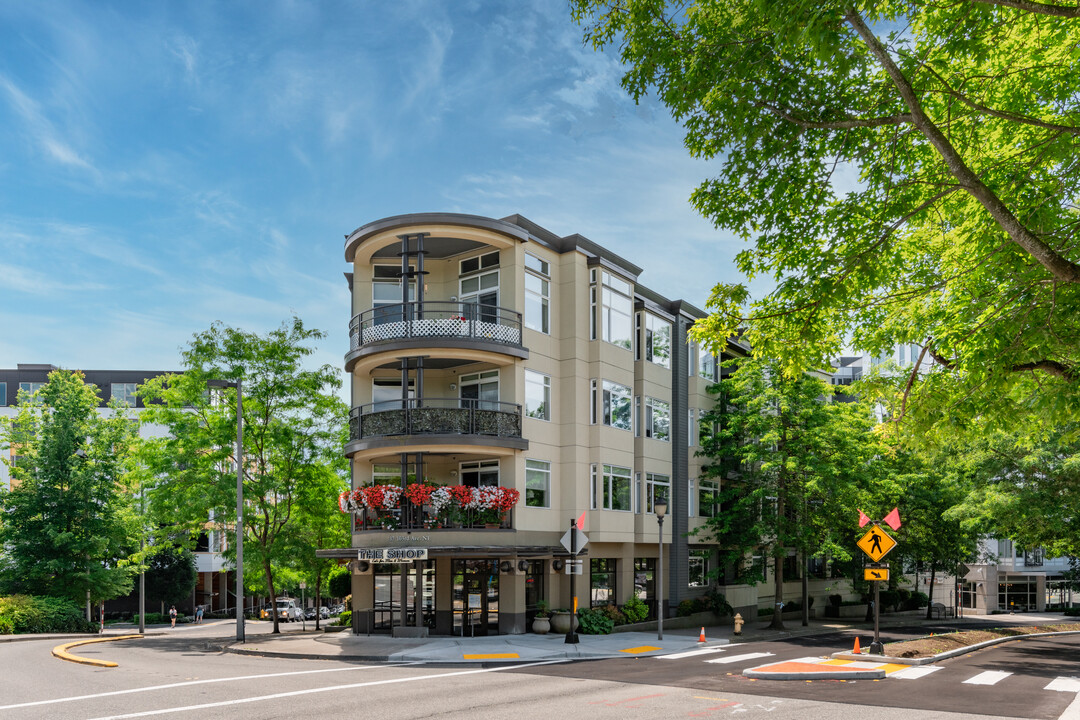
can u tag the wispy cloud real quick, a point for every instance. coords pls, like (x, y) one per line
(41, 129)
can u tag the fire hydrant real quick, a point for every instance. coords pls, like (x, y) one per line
(738, 623)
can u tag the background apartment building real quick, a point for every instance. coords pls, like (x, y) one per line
(212, 587)
(495, 353)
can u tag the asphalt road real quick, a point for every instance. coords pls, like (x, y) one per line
(185, 675)
(1021, 671)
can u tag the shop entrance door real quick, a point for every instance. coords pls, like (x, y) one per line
(476, 597)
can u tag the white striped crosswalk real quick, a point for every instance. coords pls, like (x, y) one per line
(990, 677)
(914, 672)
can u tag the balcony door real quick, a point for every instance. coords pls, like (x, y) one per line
(386, 294)
(480, 390)
(479, 296)
(386, 394)
(480, 473)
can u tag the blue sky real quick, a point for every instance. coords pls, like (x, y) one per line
(166, 165)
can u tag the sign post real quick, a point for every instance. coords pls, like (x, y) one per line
(303, 605)
(570, 541)
(876, 543)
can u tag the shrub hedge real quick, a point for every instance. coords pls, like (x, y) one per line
(41, 614)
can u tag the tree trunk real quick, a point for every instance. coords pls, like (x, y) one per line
(778, 597)
(930, 604)
(805, 590)
(273, 596)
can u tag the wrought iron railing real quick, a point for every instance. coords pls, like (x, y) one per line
(423, 517)
(435, 319)
(435, 416)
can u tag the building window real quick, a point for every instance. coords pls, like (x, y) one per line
(657, 340)
(386, 394)
(691, 429)
(3, 393)
(616, 405)
(592, 486)
(124, 393)
(480, 262)
(698, 566)
(690, 496)
(707, 365)
(386, 294)
(657, 419)
(617, 488)
(592, 304)
(708, 492)
(657, 489)
(601, 581)
(616, 304)
(537, 483)
(537, 395)
(391, 474)
(481, 473)
(480, 390)
(637, 493)
(593, 400)
(537, 294)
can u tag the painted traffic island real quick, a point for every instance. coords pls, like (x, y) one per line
(819, 668)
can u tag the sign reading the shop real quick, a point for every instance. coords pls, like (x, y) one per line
(392, 555)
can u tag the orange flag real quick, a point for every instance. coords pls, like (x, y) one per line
(893, 519)
(863, 519)
(581, 521)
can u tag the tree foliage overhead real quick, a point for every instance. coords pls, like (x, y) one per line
(906, 171)
(170, 574)
(68, 526)
(292, 424)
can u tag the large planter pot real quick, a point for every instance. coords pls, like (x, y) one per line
(541, 625)
(560, 622)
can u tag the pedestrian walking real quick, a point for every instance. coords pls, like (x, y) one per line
(172, 615)
(198, 614)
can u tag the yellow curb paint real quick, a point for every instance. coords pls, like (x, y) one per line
(61, 651)
(492, 656)
(837, 662)
(893, 667)
(642, 649)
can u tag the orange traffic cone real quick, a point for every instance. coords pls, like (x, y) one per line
(701, 637)
(856, 651)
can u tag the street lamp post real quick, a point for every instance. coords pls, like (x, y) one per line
(661, 511)
(239, 456)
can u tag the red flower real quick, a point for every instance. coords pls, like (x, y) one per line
(419, 494)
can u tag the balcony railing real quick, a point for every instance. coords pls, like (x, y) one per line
(435, 319)
(435, 416)
(423, 517)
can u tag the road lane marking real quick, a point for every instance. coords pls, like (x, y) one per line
(739, 658)
(691, 653)
(190, 682)
(990, 677)
(312, 691)
(1064, 684)
(915, 672)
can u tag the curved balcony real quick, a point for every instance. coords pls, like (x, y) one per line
(435, 422)
(434, 324)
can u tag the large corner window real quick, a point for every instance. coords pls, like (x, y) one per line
(537, 294)
(537, 483)
(537, 395)
(657, 419)
(616, 405)
(616, 309)
(657, 490)
(616, 487)
(657, 340)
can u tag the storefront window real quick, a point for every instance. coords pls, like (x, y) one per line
(602, 581)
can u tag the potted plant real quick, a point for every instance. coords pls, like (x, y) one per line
(560, 621)
(541, 625)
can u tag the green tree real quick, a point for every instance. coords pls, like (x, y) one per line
(170, 574)
(292, 421)
(69, 529)
(906, 173)
(320, 523)
(790, 465)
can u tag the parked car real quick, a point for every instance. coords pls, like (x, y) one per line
(287, 610)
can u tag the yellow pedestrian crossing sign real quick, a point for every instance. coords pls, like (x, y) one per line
(876, 543)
